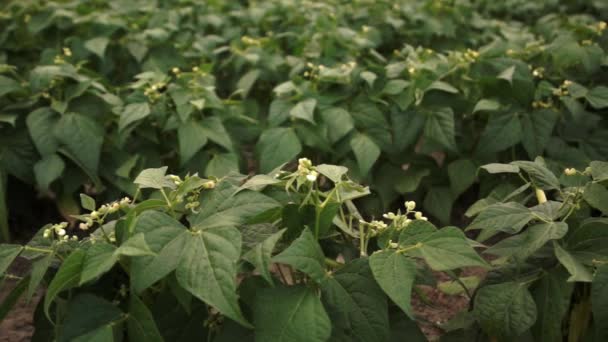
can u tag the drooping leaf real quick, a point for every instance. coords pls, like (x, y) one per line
(260, 256)
(67, 277)
(508, 217)
(395, 273)
(8, 253)
(140, 324)
(440, 127)
(447, 249)
(356, 306)
(552, 295)
(578, 271)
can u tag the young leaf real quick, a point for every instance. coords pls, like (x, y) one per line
(333, 172)
(505, 310)
(87, 202)
(500, 168)
(599, 170)
(304, 254)
(395, 273)
(133, 112)
(154, 179)
(290, 314)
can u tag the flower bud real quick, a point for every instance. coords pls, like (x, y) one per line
(83, 226)
(311, 177)
(60, 232)
(209, 185)
(418, 215)
(47, 233)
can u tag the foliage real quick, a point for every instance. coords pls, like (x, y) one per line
(451, 104)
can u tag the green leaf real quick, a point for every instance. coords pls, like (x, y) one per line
(8, 85)
(505, 310)
(141, 326)
(578, 271)
(453, 287)
(462, 174)
(599, 298)
(290, 314)
(304, 110)
(507, 74)
(154, 179)
(599, 170)
(395, 273)
(41, 124)
(356, 306)
(525, 244)
(333, 172)
(225, 208)
(261, 254)
(277, 146)
(438, 202)
(67, 277)
(191, 139)
(133, 112)
(222, 164)
(258, 182)
(83, 137)
(597, 196)
(552, 295)
(208, 269)
(537, 128)
(442, 86)
(87, 202)
(486, 105)
(494, 168)
(247, 81)
(8, 253)
(395, 87)
(449, 248)
(305, 255)
(97, 45)
(85, 314)
(39, 269)
(214, 130)
(501, 132)
(507, 217)
(100, 259)
(540, 175)
(440, 127)
(366, 151)
(369, 77)
(598, 97)
(339, 123)
(134, 246)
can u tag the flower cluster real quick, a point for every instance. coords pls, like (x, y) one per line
(99, 215)
(59, 231)
(307, 170)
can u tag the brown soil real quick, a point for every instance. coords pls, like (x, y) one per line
(18, 324)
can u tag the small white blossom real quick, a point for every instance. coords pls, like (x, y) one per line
(410, 205)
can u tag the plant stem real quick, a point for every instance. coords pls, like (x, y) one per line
(36, 249)
(362, 241)
(169, 204)
(333, 263)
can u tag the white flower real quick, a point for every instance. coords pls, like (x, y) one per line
(418, 215)
(311, 177)
(83, 226)
(410, 205)
(570, 172)
(60, 232)
(94, 214)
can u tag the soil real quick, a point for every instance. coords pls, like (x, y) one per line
(18, 325)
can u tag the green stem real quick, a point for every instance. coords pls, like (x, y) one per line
(169, 204)
(362, 241)
(39, 250)
(333, 263)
